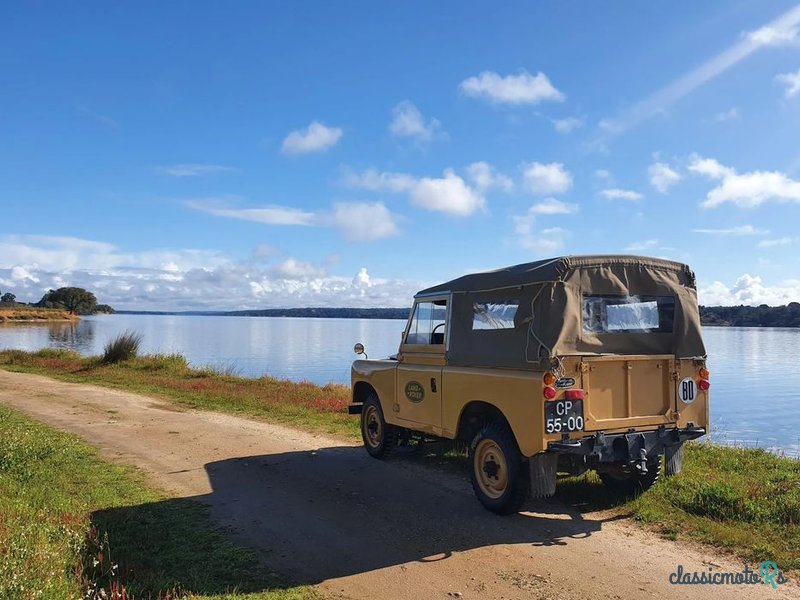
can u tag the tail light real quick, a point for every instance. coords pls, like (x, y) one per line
(704, 384)
(549, 378)
(574, 395)
(549, 392)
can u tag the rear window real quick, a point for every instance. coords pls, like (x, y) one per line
(628, 314)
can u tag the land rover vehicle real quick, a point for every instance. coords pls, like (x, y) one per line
(561, 365)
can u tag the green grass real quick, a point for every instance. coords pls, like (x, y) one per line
(743, 500)
(71, 522)
(303, 405)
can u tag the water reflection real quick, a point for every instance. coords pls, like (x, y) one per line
(755, 373)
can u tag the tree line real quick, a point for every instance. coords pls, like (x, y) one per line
(752, 316)
(77, 301)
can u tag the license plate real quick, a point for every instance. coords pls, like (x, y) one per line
(563, 416)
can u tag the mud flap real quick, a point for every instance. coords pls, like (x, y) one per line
(673, 456)
(543, 467)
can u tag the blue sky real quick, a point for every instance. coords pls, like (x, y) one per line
(251, 154)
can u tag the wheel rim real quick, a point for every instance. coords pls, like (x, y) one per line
(491, 469)
(373, 427)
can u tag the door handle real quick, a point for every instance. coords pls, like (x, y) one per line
(433, 384)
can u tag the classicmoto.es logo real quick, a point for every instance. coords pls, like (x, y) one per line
(767, 573)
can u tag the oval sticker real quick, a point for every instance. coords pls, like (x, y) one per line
(687, 390)
(565, 382)
(414, 391)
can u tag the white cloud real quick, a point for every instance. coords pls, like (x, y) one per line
(784, 241)
(546, 242)
(746, 190)
(774, 36)
(568, 124)
(407, 121)
(662, 176)
(194, 170)
(185, 279)
(314, 138)
(727, 115)
(485, 177)
(551, 206)
(641, 246)
(781, 28)
(377, 181)
(603, 175)
(791, 81)
(364, 221)
(620, 194)
(738, 231)
(449, 194)
(269, 215)
(522, 88)
(749, 290)
(543, 179)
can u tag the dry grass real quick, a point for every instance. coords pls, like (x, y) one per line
(26, 314)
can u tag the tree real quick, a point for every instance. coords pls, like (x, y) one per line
(8, 298)
(76, 300)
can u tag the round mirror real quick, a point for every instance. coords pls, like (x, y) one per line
(358, 348)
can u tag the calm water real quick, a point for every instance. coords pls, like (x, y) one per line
(755, 373)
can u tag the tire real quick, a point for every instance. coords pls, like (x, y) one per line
(379, 437)
(673, 458)
(631, 483)
(497, 471)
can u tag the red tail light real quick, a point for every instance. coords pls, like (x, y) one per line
(574, 395)
(704, 384)
(549, 392)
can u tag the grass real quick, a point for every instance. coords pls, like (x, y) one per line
(72, 523)
(744, 500)
(27, 314)
(123, 347)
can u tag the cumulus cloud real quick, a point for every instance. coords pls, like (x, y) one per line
(737, 231)
(749, 290)
(522, 88)
(662, 176)
(407, 121)
(746, 190)
(543, 179)
(545, 242)
(485, 177)
(364, 221)
(185, 279)
(620, 194)
(449, 194)
(194, 170)
(551, 206)
(314, 138)
(791, 81)
(568, 124)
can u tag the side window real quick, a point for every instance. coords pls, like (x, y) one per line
(494, 315)
(428, 323)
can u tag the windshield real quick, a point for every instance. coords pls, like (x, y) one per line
(628, 314)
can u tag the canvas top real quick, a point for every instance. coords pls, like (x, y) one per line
(552, 270)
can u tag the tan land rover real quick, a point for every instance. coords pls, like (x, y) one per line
(562, 365)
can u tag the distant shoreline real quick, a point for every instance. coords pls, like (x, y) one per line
(717, 316)
(36, 315)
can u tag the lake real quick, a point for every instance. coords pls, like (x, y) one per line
(755, 373)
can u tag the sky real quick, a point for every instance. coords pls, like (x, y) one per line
(198, 155)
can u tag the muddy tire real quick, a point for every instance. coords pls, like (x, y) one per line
(499, 475)
(631, 483)
(379, 437)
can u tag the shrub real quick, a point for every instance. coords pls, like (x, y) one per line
(123, 347)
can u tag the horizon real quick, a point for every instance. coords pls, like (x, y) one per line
(314, 156)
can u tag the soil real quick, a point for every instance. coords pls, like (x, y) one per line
(323, 513)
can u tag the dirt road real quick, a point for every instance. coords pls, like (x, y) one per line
(324, 513)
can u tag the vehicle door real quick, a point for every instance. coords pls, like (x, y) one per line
(420, 363)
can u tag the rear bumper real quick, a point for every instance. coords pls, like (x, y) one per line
(625, 447)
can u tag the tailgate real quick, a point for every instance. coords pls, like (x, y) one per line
(627, 391)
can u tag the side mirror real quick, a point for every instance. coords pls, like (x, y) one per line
(359, 349)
